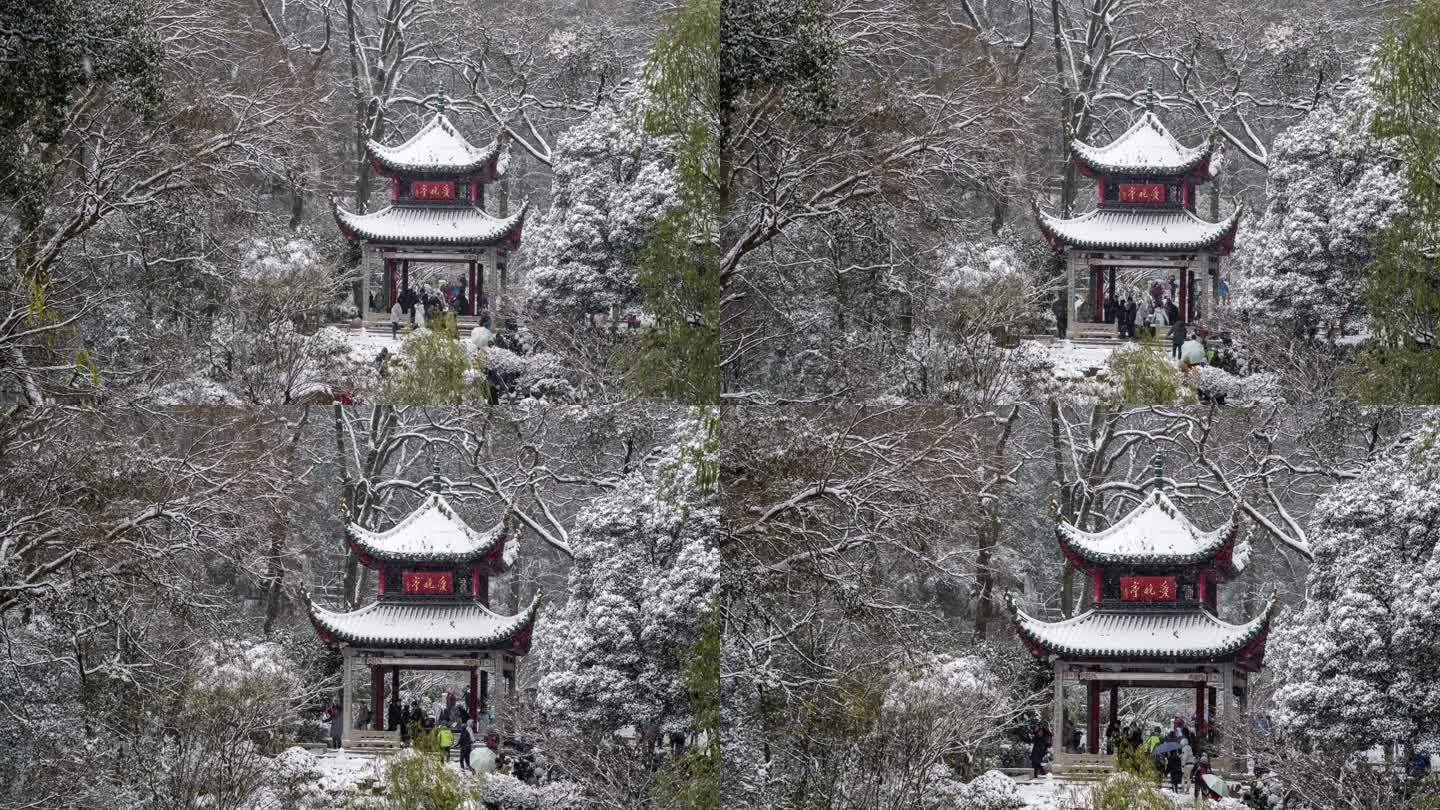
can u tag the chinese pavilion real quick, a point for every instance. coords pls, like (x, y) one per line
(1154, 579)
(432, 607)
(1144, 219)
(437, 211)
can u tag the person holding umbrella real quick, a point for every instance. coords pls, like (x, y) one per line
(1172, 764)
(1198, 771)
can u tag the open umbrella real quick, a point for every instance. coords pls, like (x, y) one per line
(1215, 783)
(1165, 748)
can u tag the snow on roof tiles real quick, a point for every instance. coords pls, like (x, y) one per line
(444, 225)
(431, 533)
(1132, 633)
(428, 625)
(438, 148)
(1155, 531)
(1140, 229)
(1146, 148)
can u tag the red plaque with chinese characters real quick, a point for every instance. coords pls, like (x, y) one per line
(1147, 589)
(432, 190)
(1147, 193)
(427, 581)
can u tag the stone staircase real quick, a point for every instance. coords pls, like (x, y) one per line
(1084, 767)
(371, 742)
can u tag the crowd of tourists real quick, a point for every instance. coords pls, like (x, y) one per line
(426, 304)
(444, 729)
(1174, 754)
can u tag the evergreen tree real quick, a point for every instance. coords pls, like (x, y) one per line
(1404, 281)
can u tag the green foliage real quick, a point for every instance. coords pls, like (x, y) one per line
(692, 779)
(1407, 81)
(1135, 761)
(785, 44)
(420, 781)
(1404, 281)
(433, 367)
(1144, 374)
(680, 357)
(1401, 363)
(1125, 791)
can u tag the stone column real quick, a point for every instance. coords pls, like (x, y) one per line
(1057, 730)
(347, 706)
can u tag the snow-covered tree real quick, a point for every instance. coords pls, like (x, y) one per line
(611, 183)
(1333, 187)
(646, 563)
(1360, 659)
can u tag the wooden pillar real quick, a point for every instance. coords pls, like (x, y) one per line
(474, 702)
(484, 695)
(377, 678)
(404, 274)
(347, 705)
(1092, 731)
(1113, 291)
(1057, 731)
(1200, 587)
(1114, 704)
(1095, 584)
(390, 282)
(1210, 711)
(380, 581)
(470, 288)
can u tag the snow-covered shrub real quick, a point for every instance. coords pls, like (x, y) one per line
(560, 796)
(1137, 373)
(416, 781)
(943, 788)
(1250, 390)
(991, 790)
(433, 367)
(955, 702)
(504, 792)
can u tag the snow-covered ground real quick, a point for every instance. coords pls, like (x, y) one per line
(1049, 793)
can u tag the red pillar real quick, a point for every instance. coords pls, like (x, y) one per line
(1200, 709)
(1095, 583)
(377, 693)
(1200, 585)
(1093, 736)
(380, 581)
(474, 702)
(470, 289)
(1210, 712)
(475, 581)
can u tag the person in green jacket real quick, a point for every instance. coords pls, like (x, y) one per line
(444, 738)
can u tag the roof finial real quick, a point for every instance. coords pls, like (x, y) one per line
(1150, 95)
(434, 472)
(441, 100)
(1159, 470)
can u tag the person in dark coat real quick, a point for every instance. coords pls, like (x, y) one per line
(336, 717)
(1061, 319)
(1172, 311)
(392, 714)
(1172, 765)
(1112, 733)
(1135, 736)
(1177, 338)
(1198, 770)
(466, 742)
(406, 718)
(1039, 742)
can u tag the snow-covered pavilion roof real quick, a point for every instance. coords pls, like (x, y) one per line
(1101, 633)
(439, 149)
(433, 533)
(1147, 148)
(433, 225)
(1155, 532)
(425, 624)
(1139, 229)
